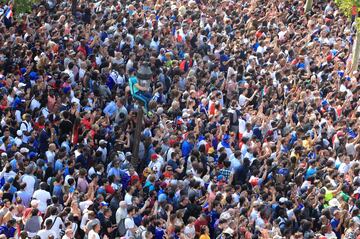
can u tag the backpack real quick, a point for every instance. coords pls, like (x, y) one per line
(121, 227)
(234, 117)
(139, 233)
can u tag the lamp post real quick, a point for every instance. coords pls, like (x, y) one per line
(144, 75)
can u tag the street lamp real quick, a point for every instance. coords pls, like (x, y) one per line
(144, 76)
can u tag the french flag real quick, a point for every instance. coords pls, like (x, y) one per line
(9, 13)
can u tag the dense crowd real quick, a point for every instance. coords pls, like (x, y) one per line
(249, 119)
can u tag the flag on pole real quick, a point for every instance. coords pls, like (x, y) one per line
(9, 13)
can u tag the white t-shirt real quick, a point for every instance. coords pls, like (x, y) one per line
(57, 221)
(35, 104)
(44, 234)
(190, 231)
(43, 196)
(30, 183)
(350, 149)
(26, 126)
(93, 235)
(242, 100)
(254, 215)
(260, 223)
(344, 168)
(50, 156)
(129, 224)
(128, 199)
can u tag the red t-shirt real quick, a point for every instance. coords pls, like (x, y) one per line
(109, 189)
(86, 123)
(198, 224)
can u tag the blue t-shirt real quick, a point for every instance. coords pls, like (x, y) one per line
(132, 81)
(334, 223)
(8, 232)
(58, 165)
(310, 172)
(186, 148)
(159, 233)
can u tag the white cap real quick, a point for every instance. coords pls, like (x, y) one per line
(34, 202)
(24, 150)
(282, 200)
(102, 141)
(229, 231)
(21, 84)
(185, 115)
(334, 203)
(19, 133)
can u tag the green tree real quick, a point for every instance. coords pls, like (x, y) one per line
(350, 9)
(21, 6)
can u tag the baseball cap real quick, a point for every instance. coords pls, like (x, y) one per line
(102, 141)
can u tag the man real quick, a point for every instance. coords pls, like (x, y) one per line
(50, 154)
(46, 232)
(5, 209)
(107, 227)
(116, 171)
(57, 224)
(29, 179)
(102, 148)
(129, 195)
(155, 164)
(129, 222)
(121, 111)
(235, 160)
(111, 108)
(225, 143)
(137, 91)
(43, 196)
(26, 127)
(25, 196)
(241, 174)
(337, 222)
(188, 145)
(9, 229)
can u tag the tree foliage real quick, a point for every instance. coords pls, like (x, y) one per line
(350, 8)
(21, 6)
(346, 6)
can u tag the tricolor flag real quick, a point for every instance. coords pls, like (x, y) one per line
(9, 13)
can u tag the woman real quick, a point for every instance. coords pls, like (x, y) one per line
(77, 130)
(204, 233)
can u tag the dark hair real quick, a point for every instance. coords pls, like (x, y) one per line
(34, 212)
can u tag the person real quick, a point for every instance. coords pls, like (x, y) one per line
(43, 196)
(9, 229)
(137, 91)
(57, 222)
(68, 234)
(33, 224)
(46, 232)
(129, 222)
(204, 233)
(251, 124)
(94, 232)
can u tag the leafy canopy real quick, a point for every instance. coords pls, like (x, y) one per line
(350, 8)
